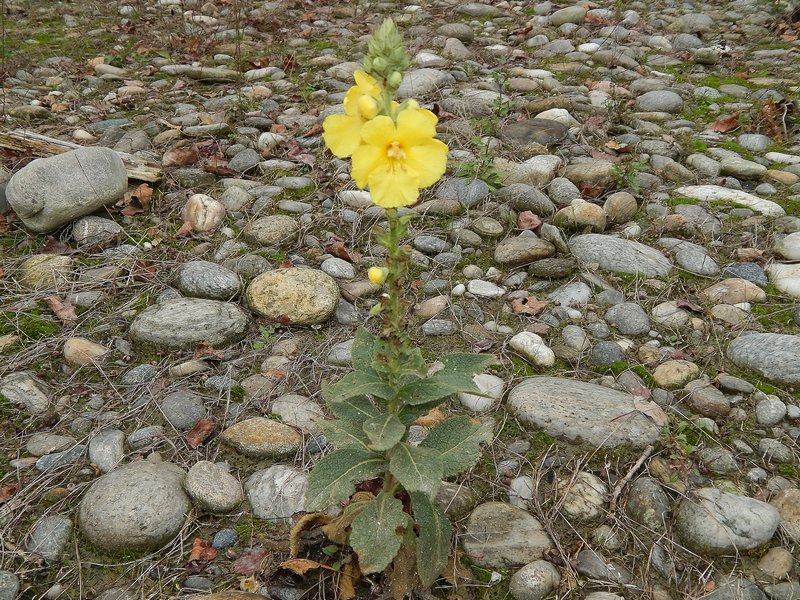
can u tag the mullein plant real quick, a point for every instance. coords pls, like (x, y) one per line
(393, 516)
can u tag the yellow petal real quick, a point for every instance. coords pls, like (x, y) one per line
(367, 84)
(427, 161)
(379, 131)
(393, 187)
(350, 101)
(416, 126)
(341, 134)
(365, 160)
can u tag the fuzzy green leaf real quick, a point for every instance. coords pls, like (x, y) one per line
(384, 432)
(408, 414)
(457, 439)
(358, 383)
(364, 348)
(332, 479)
(357, 409)
(373, 533)
(456, 376)
(344, 434)
(435, 538)
(417, 469)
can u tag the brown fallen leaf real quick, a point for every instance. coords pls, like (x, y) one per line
(55, 246)
(591, 190)
(336, 247)
(682, 303)
(7, 491)
(200, 432)
(304, 523)
(206, 350)
(63, 310)
(749, 254)
(528, 306)
(431, 418)
(143, 270)
(202, 551)
(220, 167)
(727, 124)
(301, 566)
(652, 411)
(180, 157)
(184, 230)
(347, 582)
(251, 563)
(137, 201)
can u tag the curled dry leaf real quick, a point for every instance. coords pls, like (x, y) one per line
(63, 310)
(304, 523)
(301, 566)
(430, 419)
(55, 246)
(528, 306)
(652, 411)
(200, 432)
(347, 582)
(180, 157)
(137, 201)
(202, 551)
(528, 220)
(728, 124)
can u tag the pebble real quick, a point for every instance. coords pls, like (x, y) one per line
(491, 388)
(294, 296)
(276, 492)
(213, 488)
(259, 437)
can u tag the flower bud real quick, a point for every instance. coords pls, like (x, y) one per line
(395, 79)
(386, 53)
(367, 106)
(378, 64)
(377, 275)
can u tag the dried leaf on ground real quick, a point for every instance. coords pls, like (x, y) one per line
(55, 246)
(143, 270)
(202, 550)
(682, 303)
(528, 220)
(137, 201)
(347, 582)
(431, 418)
(336, 247)
(250, 563)
(220, 167)
(7, 491)
(528, 306)
(591, 190)
(180, 157)
(304, 523)
(185, 229)
(206, 350)
(63, 310)
(652, 411)
(301, 566)
(728, 124)
(404, 573)
(200, 432)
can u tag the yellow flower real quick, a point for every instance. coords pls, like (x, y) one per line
(377, 275)
(342, 133)
(396, 160)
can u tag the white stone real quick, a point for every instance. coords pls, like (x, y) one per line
(533, 348)
(785, 277)
(710, 193)
(560, 115)
(780, 157)
(485, 289)
(490, 385)
(789, 246)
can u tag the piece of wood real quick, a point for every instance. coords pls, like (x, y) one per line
(37, 144)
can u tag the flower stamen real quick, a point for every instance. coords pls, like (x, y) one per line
(395, 151)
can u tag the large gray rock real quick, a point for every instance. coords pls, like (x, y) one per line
(204, 279)
(620, 256)
(135, 508)
(50, 192)
(715, 522)
(277, 492)
(421, 82)
(774, 355)
(9, 585)
(499, 536)
(184, 322)
(581, 412)
(294, 296)
(26, 389)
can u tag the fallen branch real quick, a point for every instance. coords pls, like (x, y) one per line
(40, 145)
(612, 505)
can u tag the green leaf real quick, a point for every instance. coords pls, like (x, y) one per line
(417, 469)
(357, 409)
(373, 534)
(332, 479)
(384, 432)
(408, 414)
(344, 434)
(457, 439)
(359, 383)
(456, 376)
(434, 540)
(364, 348)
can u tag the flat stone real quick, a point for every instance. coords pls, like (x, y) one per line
(50, 192)
(491, 387)
(733, 291)
(41, 443)
(94, 232)
(741, 168)
(271, 230)
(294, 296)
(545, 132)
(674, 374)
(204, 279)
(26, 389)
(298, 411)
(138, 507)
(775, 356)
(619, 255)
(537, 171)
(57, 460)
(46, 271)
(49, 537)
(706, 399)
(629, 318)
(521, 250)
(183, 409)
(660, 101)
(259, 437)
(422, 82)
(500, 536)
(581, 412)
(107, 449)
(711, 193)
(599, 172)
(785, 278)
(713, 522)
(185, 322)
(9, 586)
(213, 488)
(277, 493)
(787, 503)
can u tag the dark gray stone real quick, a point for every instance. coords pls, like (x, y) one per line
(49, 537)
(204, 279)
(183, 409)
(749, 271)
(629, 318)
(620, 256)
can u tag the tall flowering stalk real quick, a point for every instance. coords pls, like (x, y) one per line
(394, 152)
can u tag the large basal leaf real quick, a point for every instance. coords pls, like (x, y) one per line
(457, 439)
(434, 538)
(417, 469)
(408, 413)
(384, 431)
(356, 409)
(358, 383)
(456, 376)
(344, 434)
(332, 479)
(374, 533)
(364, 348)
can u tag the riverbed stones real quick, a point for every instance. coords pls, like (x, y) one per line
(500, 536)
(204, 279)
(714, 522)
(213, 488)
(581, 412)
(46, 272)
(776, 356)
(185, 322)
(272, 230)
(619, 255)
(522, 250)
(137, 507)
(50, 192)
(787, 503)
(27, 390)
(259, 437)
(294, 296)
(49, 537)
(277, 492)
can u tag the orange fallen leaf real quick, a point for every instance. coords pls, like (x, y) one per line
(528, 306)
(180, 157)
(728, 124)
(7, 491)
(652, 411)
(202, 550)
(200, 432)
(301, 566)
(431, 418)
(137, 201)
(63, 310)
